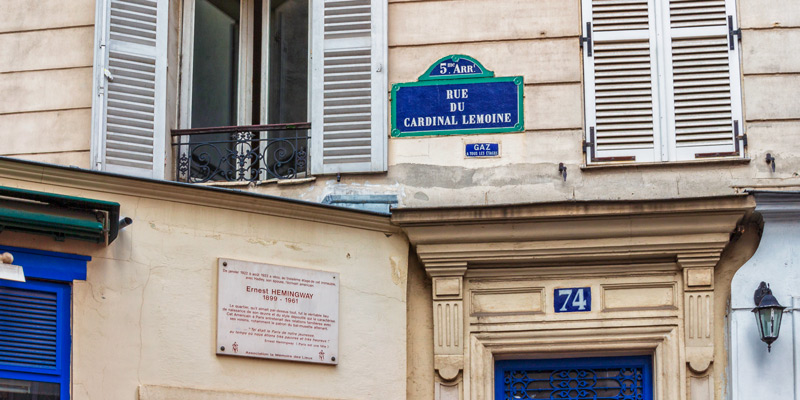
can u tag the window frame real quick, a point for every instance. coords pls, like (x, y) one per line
(379, 100)
(245, 64)
(59, 374)
(246, 72)
(50, 272)
(246, 61)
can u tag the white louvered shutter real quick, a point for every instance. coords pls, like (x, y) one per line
(704, 105)
(130, 87)
(620, 81)
(349, 86)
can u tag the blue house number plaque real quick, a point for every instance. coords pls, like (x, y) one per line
(457, 95)
(572, 299)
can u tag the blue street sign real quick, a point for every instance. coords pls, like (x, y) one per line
(450, 107)
(482, 149)
(572, 299)
(457, 95)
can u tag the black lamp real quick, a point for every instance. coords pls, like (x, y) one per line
(768, 314)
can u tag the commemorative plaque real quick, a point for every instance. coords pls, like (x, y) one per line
(271, 311)
(457, 95)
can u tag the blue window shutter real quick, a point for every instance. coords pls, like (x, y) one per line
(35, 340)
(28, 328)
(35, 337)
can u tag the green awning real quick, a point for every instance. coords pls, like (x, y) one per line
(58, 216)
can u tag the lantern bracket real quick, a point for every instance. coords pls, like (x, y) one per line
(762, 290)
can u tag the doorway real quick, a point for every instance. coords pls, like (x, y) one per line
(602, 378)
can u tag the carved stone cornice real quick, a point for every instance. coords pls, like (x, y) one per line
(692, 232)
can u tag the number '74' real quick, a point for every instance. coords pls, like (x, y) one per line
(576, 299)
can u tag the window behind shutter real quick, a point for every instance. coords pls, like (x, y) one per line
(349, 88)
(704, 107)
(130, 79)
(620, 74)
(28, 328)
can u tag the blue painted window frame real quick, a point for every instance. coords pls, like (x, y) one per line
(53, 272)
(644, 362)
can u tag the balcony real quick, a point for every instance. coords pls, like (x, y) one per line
(245, 154)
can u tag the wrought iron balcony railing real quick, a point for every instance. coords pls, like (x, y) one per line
(242, 153)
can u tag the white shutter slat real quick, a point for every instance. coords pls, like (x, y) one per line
(696, 13)
(349, 87)
(611, 15)
(130, 118)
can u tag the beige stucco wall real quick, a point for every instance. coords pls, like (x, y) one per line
(420, 332)
(146, 314)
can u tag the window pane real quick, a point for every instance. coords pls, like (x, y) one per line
(214, 86)
(288, 82)
(28, 390)
(288, 61)
(215, 62)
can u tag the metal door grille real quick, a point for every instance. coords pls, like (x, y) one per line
(612, 378)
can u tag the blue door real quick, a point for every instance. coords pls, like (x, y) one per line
(607, 378)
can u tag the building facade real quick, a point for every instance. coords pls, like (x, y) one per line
(601, 235)
(141, 312)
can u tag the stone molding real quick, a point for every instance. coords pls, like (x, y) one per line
(158, 392)
(660, 340)
(692, 232)
(237, 200)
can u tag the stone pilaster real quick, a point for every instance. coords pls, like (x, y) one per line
(448, 327)
(698, 304)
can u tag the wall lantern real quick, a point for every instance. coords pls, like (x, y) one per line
(768, 314)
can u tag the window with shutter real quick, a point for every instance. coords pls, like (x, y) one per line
(348, 86)
(661, 81)
(130, 87)
(35, 338)
(329, 69)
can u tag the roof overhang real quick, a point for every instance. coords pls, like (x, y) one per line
(12, 170)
